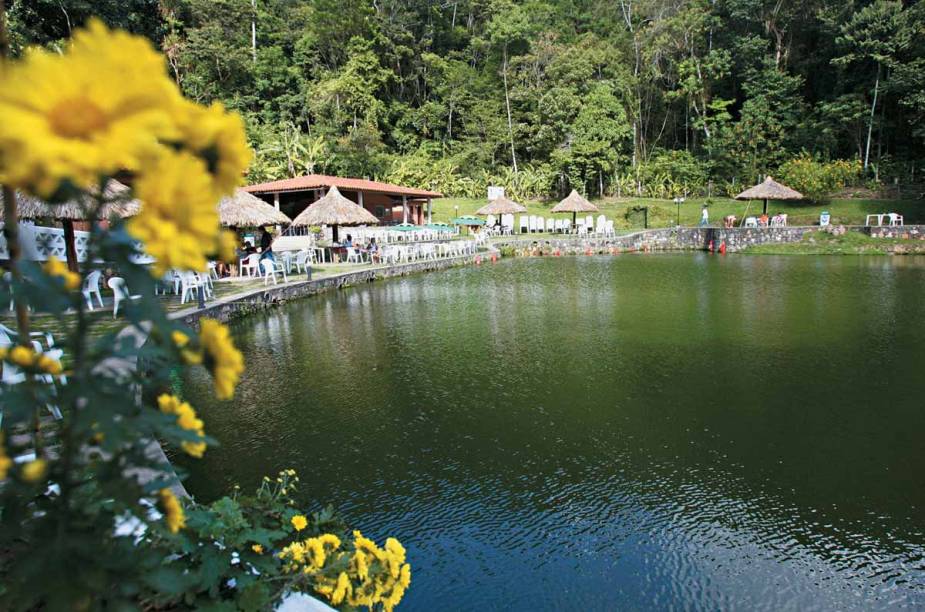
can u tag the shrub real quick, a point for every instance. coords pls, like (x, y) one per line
(817, 180)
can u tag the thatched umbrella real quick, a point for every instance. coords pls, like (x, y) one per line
(118, 204)
(335, 210)
(769, 190)
(501, 206)
(574, 203)
(242, 209)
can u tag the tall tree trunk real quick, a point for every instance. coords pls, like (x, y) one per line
(507, 103)
(254, 29)
(449, 125)
(870, 123)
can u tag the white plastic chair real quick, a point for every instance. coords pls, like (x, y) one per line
(91, 286)
(524, 224)
(271, 269)
(189, 285)
(751, 222)
(895, 219)
(250, 265)
(119, 293)
(550, 225)
(353, 256)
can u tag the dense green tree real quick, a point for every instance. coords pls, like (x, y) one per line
(605, 96)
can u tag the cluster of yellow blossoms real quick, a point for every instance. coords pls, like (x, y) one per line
(173, 511)
(28, 359)
(186, 419)
(5, 462)
(217, 352)
(33, 471)
(370, 576)
(56, 268)
(221, 356)
(107, 105)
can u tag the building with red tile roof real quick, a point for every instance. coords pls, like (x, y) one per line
(389, 203)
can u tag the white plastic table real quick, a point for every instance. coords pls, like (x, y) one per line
(878, 217)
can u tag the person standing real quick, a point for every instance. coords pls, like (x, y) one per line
(266, 245)
(704, 216)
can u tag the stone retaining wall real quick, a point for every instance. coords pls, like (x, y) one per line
(679, 239)
(906, 232)
(240, 305)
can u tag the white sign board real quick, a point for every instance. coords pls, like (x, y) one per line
(495, 192)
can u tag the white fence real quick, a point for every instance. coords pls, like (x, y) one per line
(40, 242)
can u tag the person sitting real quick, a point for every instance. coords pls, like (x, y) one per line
(763, 220)
(729, 221)
(373, 250)
(348, 242)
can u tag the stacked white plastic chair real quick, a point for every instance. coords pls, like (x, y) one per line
(91, 287)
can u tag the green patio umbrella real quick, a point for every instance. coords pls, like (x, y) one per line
(468, 220)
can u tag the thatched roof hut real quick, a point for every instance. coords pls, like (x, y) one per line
(769, 190)
(242, 209)
(501, 206)
(574, 203)
(119, 203)
(335, 210)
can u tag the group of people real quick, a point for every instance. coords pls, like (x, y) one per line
(247, 248)
(371, 248)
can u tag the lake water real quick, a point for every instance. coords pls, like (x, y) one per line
(595, 433)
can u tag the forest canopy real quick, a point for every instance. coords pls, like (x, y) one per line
(649, 97)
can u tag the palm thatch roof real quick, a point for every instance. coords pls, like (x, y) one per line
(119, 204)
(501, 206)
(242, 209)
(334, 209)
(770, 190)
(574, 203)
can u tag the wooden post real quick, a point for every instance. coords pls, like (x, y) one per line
(404, 209)
(70, 246)
(430, 211)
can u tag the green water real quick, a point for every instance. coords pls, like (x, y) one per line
(631, 432)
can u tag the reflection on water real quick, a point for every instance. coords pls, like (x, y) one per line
(596, 433)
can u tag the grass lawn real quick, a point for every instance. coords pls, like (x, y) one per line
(850, 243)
(663, 213)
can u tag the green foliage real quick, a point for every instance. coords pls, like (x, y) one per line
(586, 99)
(818, 180)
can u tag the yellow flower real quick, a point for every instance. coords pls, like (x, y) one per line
(178, 223)
(56, 267)
(329, 539)
(228, 246)
(225, 361)
(316, 549)
(186, 419)
(173, 511)
(5, 462)
(179, 338)
(257, 548)
(100, 107)
(405, 578)
(217, 137)
(342, 590)
(299, 522)
(48, 365)
(34, 471)
(362, 568)
(22, 356)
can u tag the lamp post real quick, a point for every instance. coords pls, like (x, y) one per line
(678, 201)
